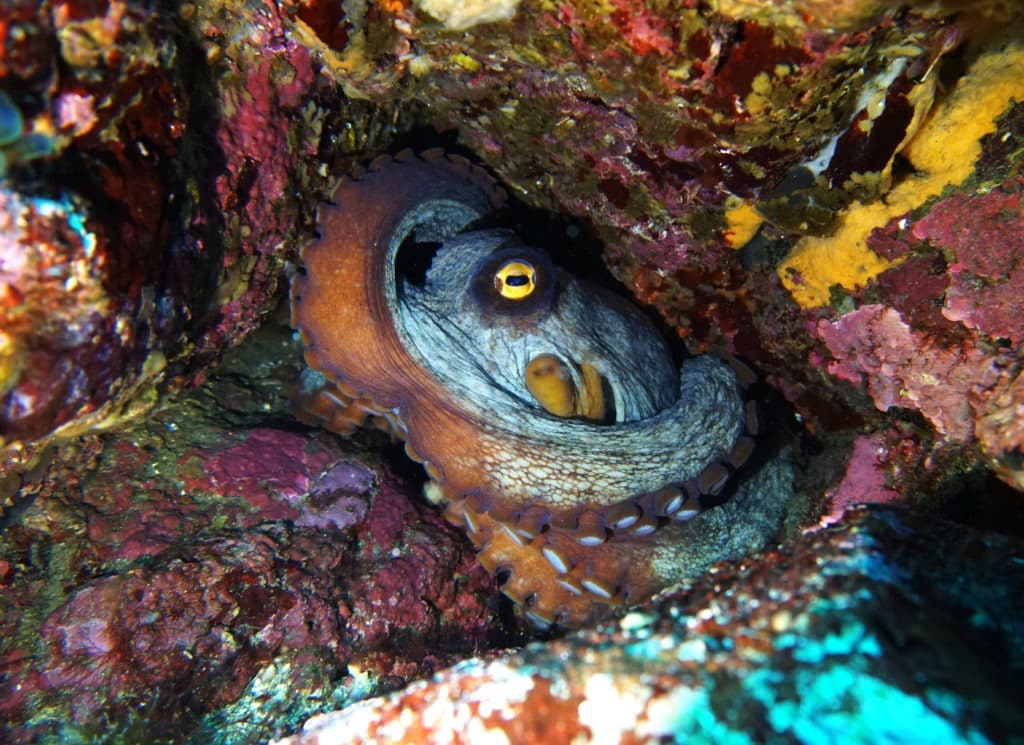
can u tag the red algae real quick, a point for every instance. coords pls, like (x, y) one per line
(873, 346)
(161, 177)
(867, 478)
(984, 234)
(269, 468)
(56, 314)
(120, 636)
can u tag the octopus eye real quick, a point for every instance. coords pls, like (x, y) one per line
(515, 279)
(514, 285)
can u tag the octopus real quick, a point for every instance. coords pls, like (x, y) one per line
(587, 468)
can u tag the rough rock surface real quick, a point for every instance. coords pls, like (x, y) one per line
(829, 190)
(886, 628)
(220, 572)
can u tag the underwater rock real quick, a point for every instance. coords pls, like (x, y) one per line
(744, 167)
(179, 143)
(829, 191)
(884, 627)
(57, 319)
(210, 561)
(869, 474)
(938, 331)
(732, 160)
(83, 222)
(874, 344)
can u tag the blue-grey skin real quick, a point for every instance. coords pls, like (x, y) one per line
(669, 424)
(615, 338)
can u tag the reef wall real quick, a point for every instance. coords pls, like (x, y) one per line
(830, 191)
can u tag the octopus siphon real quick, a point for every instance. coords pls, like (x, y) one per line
(588, 469)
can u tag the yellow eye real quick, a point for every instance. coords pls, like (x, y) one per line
(515, 279)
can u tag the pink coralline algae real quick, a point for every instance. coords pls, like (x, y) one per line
(77, 322)
(867, 474)
(275, 472)
(417, 587)
(257, 140)
(330, 503)
(984, 234)
(874, 346)
(945, 324)
(184, 617)
(233, 604)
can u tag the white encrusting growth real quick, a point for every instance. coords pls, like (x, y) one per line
(609, 707)
(459, 15)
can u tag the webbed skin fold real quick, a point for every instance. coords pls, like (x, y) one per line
(548, 413)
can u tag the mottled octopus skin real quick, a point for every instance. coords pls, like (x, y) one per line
(574, 515)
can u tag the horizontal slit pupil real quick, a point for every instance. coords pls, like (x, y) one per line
(517, 280)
